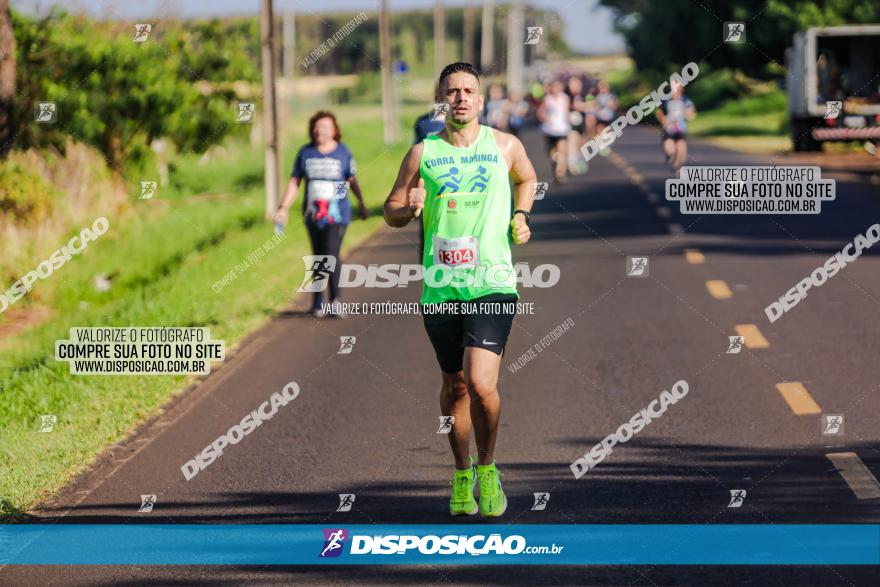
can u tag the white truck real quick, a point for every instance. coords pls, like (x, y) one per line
(833, 81)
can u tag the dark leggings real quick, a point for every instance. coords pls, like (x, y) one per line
(327, 241)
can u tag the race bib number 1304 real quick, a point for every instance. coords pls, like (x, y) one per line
(457, 252)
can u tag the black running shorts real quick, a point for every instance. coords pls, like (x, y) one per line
(552, 141)
(471, 324)
(675, 136)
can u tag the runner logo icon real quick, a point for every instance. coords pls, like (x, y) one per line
(147, 503)
(832, 108)
(142, 32)
(148, 190)
(446, 423)
(455, 178)
(734, 32)
(341, 190)
(541, 189)
(636, 266)
(832, 424)
(246, 111)
(452, 180)
(737, 496)
(736, 343)
(318, 269)
(47, 422)
(440, 112)
(45, 112)
(346, 500)
(534, 35)
(541, 500)
(346, 345)
(333, 541)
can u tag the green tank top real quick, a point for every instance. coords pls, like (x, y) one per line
(466, 220)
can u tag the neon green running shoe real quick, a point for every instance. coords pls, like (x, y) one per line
(463, 502)
(493, 502)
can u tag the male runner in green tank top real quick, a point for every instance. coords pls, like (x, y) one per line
(459, 180)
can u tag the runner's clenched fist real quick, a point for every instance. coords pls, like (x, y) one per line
(519, 229)
(416, 198)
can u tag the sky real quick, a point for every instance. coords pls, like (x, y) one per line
(587, 27)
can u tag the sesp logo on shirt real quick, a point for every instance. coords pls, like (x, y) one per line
(334, 539)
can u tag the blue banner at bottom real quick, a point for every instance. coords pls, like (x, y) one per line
(453, 544)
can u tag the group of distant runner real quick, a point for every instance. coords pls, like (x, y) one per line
(571, 109)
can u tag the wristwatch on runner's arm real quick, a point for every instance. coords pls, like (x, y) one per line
(524, 213)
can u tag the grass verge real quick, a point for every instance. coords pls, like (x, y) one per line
(164, 257)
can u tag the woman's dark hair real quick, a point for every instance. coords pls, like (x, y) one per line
(456, 67)
(337, 135)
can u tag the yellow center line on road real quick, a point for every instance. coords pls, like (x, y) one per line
(718, 289)
(798, 398)
(753, 337)
(694, 257)
(856, 474)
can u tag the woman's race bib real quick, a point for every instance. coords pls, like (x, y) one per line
(323, 196)
(321, 190)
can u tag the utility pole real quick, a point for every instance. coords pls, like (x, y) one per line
(439, 37)
(467, 52)
(270, 112)
(515, 46)
(289, 42)
(487, 37)
(389, 113)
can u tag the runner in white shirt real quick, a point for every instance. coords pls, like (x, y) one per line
(553, 114)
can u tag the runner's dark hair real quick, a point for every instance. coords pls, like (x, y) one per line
(455, 68)
(337, 134)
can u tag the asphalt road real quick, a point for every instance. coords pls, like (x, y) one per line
(365, 422)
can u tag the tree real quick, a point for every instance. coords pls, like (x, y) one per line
(113, 93)
(660, 34)
(7, 80)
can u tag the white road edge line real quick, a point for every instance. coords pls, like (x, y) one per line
(856, 474)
